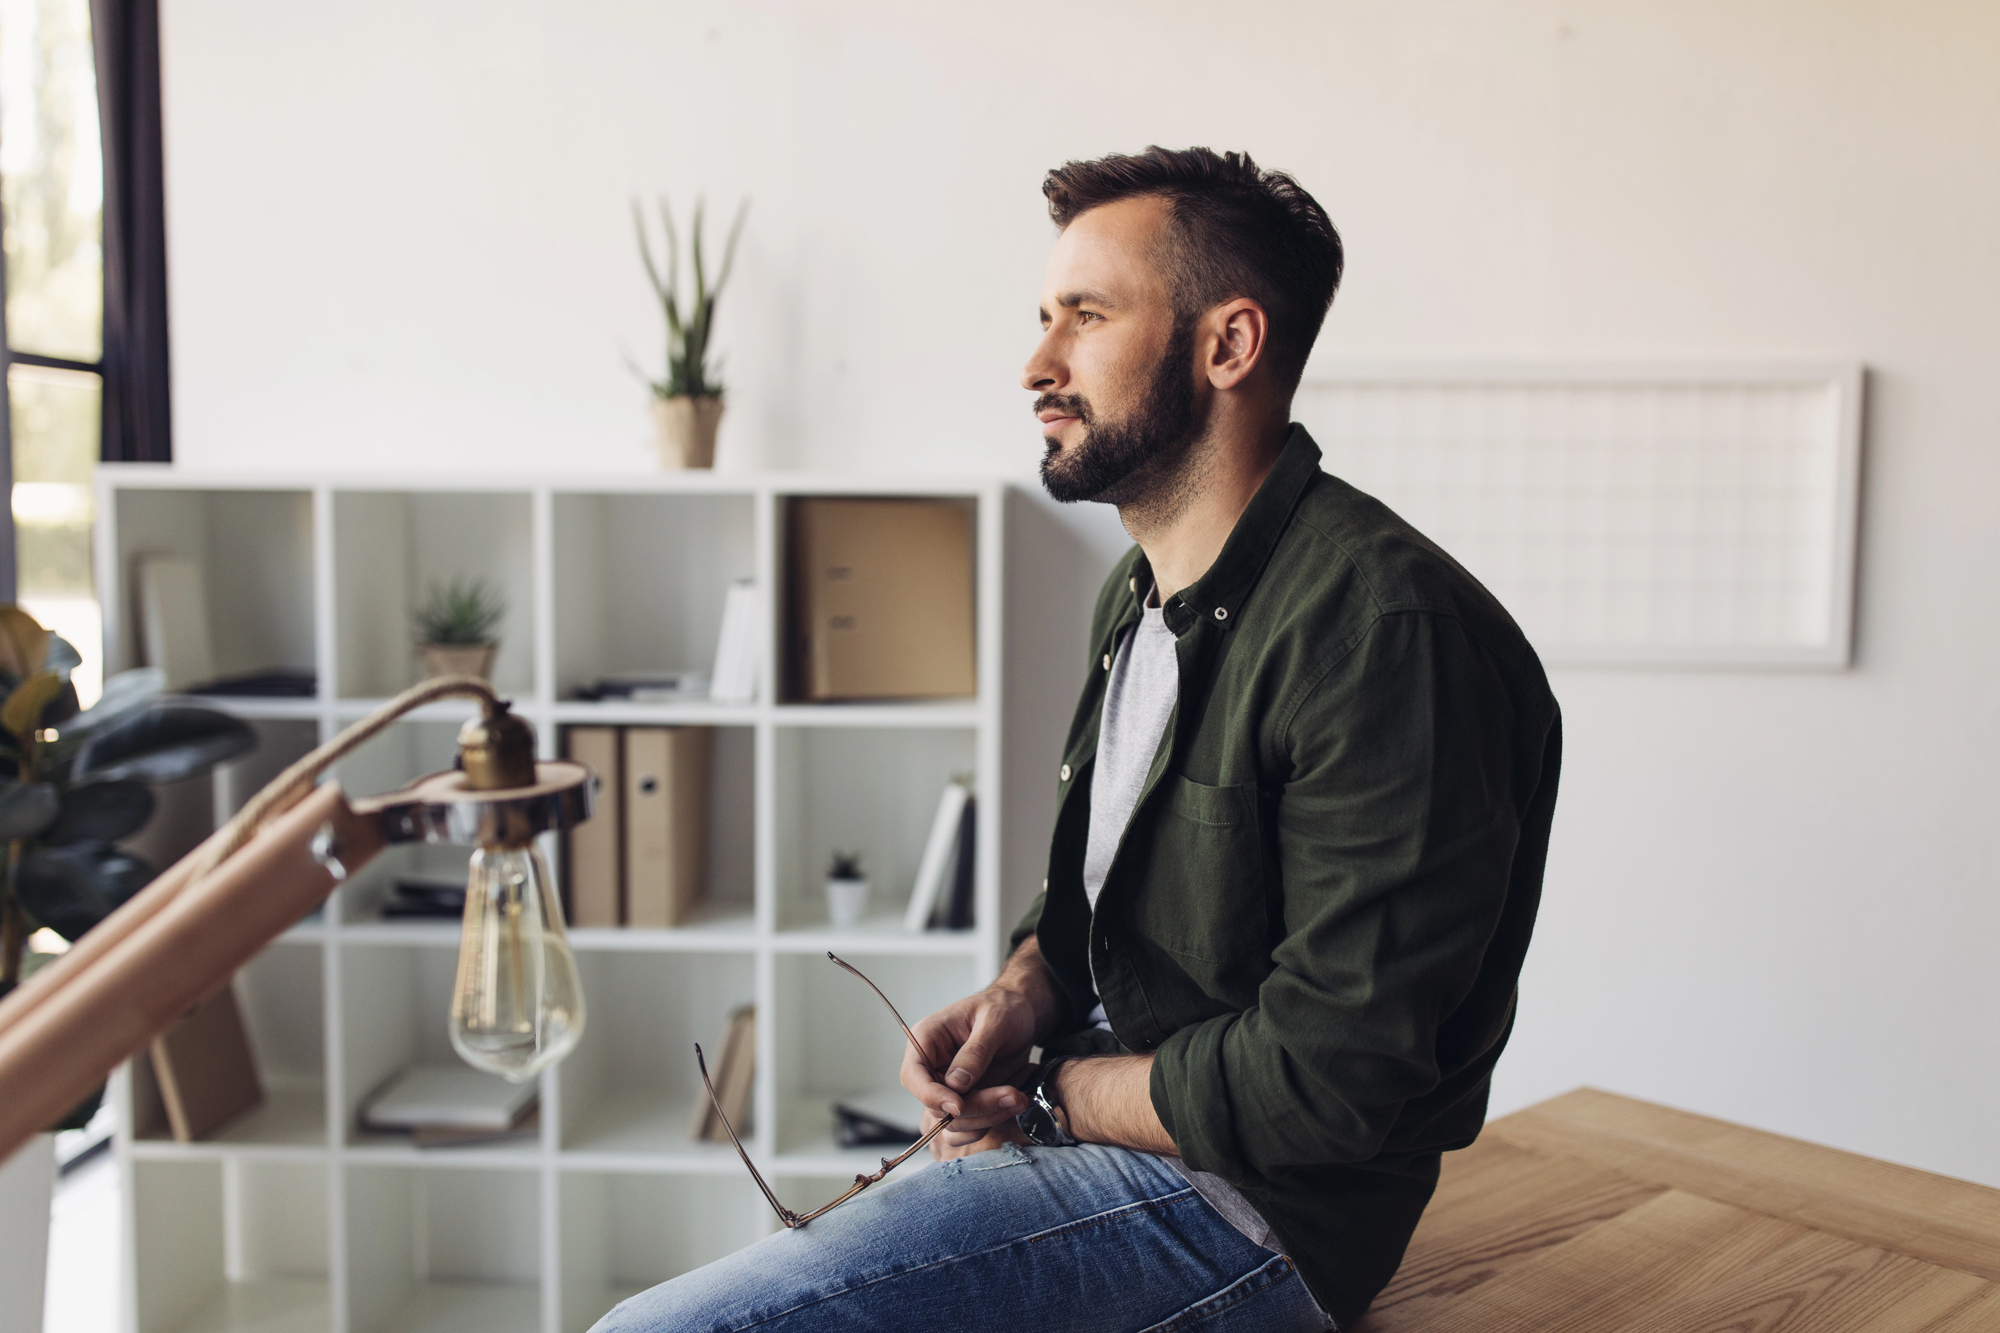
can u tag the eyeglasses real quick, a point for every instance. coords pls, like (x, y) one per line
(786, 1215)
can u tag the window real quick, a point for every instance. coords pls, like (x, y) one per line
(51, 221)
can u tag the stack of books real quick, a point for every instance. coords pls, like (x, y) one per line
(442, 1105)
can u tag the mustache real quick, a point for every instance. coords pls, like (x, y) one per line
(1069, 404)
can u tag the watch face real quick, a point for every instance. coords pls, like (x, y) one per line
(1039, 1126)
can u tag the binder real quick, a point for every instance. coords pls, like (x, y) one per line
(666, 822)
(594, 851)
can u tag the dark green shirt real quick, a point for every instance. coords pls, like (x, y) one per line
(1317, 915)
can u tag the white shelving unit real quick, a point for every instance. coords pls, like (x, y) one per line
(294, 1220)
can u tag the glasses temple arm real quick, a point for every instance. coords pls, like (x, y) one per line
(921, 1058)
(785, 1215)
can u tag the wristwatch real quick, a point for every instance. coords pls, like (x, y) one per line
(1045, 1122)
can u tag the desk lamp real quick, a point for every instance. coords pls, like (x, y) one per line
(516, 1006)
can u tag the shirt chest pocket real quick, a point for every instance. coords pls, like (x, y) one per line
(1203, 893)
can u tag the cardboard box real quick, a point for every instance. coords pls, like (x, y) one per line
(881, 599)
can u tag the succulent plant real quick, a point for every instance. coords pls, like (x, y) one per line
(462, 613)
(690, 373)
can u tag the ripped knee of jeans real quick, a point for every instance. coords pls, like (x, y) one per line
(1006, 1155)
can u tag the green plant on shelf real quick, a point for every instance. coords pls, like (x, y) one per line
(690, 372)
(462, 613)
(73, 783)
(845, 865)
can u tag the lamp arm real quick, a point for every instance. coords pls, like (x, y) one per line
(185, 934)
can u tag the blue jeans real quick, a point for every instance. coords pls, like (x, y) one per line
(1014, 1239)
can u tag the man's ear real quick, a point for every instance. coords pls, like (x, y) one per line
(1239, 335)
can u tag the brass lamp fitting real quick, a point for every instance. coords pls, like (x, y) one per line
(497, 750)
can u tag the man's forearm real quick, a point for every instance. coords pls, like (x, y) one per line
(1109, 1099)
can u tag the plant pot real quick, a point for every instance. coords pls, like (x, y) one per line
(686, 428)
(27, 1186)
(846, 902)
(459, 659)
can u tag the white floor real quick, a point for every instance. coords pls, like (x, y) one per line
(84, 1260)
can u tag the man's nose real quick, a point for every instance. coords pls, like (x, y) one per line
(1043, 373)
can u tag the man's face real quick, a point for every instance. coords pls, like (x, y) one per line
(1113, 372)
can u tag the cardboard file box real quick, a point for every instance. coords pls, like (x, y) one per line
(594, 860)
(881, 599)
(666, 822)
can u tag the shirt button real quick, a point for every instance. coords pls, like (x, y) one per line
(1064, 773)
(1107, 661)
(1222, 613)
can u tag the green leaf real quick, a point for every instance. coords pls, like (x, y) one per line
(24, 644)
(101, 812)
(63, 657)
(164, 743)
(122, 693)
(70, 889)
(26, 808)
(22, 713)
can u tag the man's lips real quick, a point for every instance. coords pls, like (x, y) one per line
(1053, 422)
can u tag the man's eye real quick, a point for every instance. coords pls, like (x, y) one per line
(1085, 316)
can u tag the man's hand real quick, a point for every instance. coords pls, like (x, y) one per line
(979, 1046)
(949, 1145)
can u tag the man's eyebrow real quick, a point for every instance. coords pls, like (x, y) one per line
(1071, 300)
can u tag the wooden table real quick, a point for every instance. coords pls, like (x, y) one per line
(1597, 1212)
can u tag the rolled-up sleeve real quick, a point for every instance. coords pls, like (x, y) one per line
(1396, 828)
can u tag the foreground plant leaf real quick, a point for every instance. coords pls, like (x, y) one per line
(26, 808)
(70, 889)
(165, 743)
(101, 812)
(22, 713)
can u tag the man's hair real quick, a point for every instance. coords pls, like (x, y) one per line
(1236, 230)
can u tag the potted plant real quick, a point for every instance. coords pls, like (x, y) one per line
(71, 785)
(846, 890)
(454, 628)
(687, 404)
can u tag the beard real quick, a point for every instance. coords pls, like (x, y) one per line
(1140, 458)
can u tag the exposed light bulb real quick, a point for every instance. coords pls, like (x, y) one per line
(517, 1006)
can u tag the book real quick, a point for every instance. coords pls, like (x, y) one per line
(529, 1126)
(734, 677)
(733, 1072)
(666, 823)
(594, 851)
(647, 687)
(204, 1067)
(955, 912)
(173, 619)
(425, 896)
(886, 1119)
(933, 867)
(448, 1097)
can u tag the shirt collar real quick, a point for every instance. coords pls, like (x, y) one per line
(1241, 562)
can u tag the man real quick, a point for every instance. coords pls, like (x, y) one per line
(1303, 812)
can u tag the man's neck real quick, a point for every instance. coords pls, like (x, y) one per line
(1222, 473)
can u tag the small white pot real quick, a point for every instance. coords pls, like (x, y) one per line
(27, 1187)
(846, 901)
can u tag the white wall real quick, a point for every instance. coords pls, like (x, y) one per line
(398, 233)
